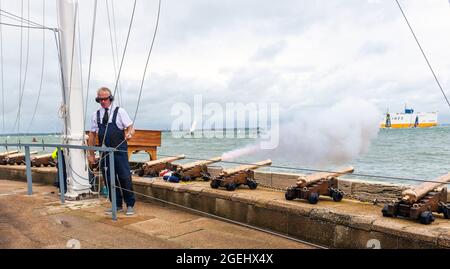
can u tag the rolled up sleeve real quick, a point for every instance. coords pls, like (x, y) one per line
(124, 120)
(94, 125)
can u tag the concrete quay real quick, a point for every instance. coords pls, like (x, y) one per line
(351, 223)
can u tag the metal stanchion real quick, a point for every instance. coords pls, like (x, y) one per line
(28, 164)
(61, 175)
(112, 177)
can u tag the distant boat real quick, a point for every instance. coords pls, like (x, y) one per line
(192, 130)
(410, 119)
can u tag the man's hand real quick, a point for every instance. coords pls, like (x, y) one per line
(129, 132)
(91, 160)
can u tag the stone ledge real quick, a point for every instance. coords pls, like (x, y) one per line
(348, 224)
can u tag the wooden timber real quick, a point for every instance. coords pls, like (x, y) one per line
(144, 140)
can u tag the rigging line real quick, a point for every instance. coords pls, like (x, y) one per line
(121, 64)
(308, 169)
(61, 75)
(25, 75)
(90, 60)
(143, 79)
(126, 46)
(80, 56)
(18, 20)
(1, 73)
(21, 18)
(117, 48)
(42, 69)
(423, 53)
(75, 19)
(61, 81)
(148, 60)
(28, 27)
(21, 55)
(114, 52)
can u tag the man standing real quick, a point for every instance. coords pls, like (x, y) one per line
(113, 127)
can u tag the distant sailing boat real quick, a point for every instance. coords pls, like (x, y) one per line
(192, 130)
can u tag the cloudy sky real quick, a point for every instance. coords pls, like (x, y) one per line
(301, 54)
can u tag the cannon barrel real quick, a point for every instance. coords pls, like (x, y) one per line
(165, 160)
(4, 154)
(45, 160)
(17, 158)
(304, 181)
(415, 194)
(235, 170)
(199, 163)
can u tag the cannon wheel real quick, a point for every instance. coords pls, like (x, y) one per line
(313, 198)
(252, 184)
(215, 184)
(290, 195)
(426, 217)
(337, 196)
(206, 176)
(447, 212)
(230, 187)
(385, 212)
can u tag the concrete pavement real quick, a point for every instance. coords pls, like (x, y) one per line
(41, 221)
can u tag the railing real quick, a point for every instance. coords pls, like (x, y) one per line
(60, 168)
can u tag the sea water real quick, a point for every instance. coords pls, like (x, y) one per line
(421, 154)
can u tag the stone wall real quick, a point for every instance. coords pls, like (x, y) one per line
(334, 225)
(362, 190)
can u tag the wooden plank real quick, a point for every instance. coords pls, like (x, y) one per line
(143, 138)
(148, 138)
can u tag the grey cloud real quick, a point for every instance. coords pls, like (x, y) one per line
(270, 52)
(373, 48)
(184, 22)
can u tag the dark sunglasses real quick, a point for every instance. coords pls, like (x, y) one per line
(103, 99)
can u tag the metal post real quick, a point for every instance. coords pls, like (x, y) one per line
(112, 177)
(61, 175)
(28, 163)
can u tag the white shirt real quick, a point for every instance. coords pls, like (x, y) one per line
(123, 120)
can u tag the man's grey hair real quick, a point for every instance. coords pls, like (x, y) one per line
(104, 89)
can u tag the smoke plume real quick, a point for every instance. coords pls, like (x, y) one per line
(332, 136)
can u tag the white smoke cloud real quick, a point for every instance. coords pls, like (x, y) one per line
(332, 136)
(234, 154)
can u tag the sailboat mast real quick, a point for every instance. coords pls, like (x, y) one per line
(77, 173)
